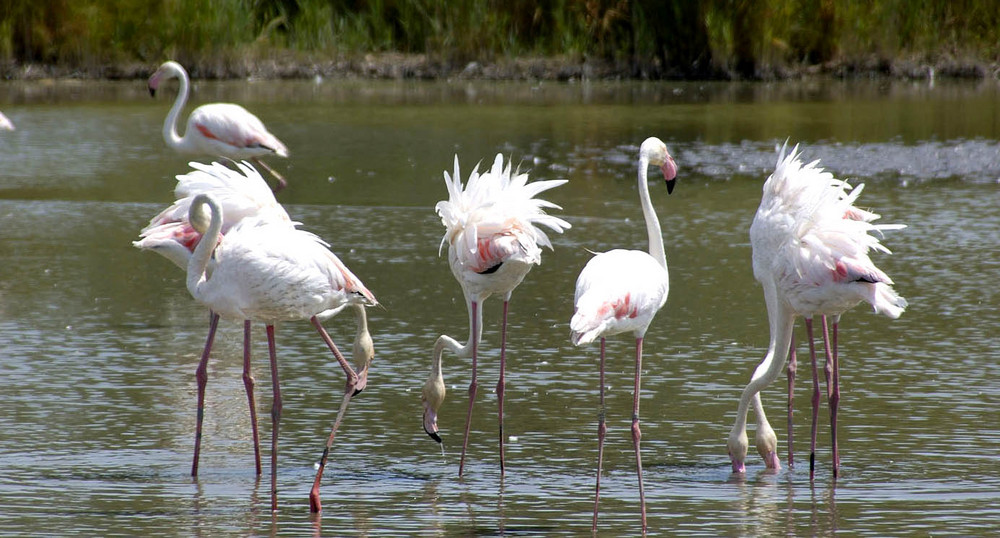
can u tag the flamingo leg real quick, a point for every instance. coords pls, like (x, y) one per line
(834, 399)
(281, 180)
(315, 503)
(473, 386)
(815, 398)
(602, 430)
(201, 374)
(248, 384)
(501, 382)
(636, 433)
(792, 369)
(275, 416)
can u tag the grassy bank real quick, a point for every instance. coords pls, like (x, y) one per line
(607, 38)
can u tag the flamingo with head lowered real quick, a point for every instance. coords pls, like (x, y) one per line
(222, 129)
(493, 241)
(810, 253)
(620, 291)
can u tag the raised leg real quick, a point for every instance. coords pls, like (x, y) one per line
(201, 374)
(248, 384)
(834, 399)
(281, 180)
(636, 433)
(501, 382)
(792, 368)
(602, 430)
(275, 415)
(815, 398)
(350, 389)
(473, 386)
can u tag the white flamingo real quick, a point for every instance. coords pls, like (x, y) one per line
(810, 254)
(5, 123)
(620, 291)
(493, 241)
(242, 194)
(271, 272)
(223, 129)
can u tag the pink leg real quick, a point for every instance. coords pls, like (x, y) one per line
(315, 503)
(602, 430)
(275, 416)
(792, 368)
(636, 433)
(281, 180)
(473, 385)
(815, 399)
(828, 365)
(201, 374)
(834, 400)
(501, 382)
(248, 384)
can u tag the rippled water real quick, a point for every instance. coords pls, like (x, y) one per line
(100, 341)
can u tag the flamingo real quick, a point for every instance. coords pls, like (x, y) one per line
(222, 129)
(5, 123)
(493, 241)
(271, 272)
(243, 194)
(620, 291)
(810, 254)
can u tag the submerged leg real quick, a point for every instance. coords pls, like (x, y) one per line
(275, 415)
(315, 503)
(473, 386)
(636, 433)
(602, 430)
(501, 382)
(792, 368)
(281, 180)
(834, 398)
(248, 384)
(201, 374)
(815, 398)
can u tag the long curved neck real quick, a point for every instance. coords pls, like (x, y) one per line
(652, 222)
(198, 263)
(446, 342)
(781, 321)
(364, 348)
(170, 135)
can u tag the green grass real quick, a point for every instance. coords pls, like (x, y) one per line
(657, 37)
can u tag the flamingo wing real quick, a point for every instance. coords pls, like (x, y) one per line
(234, 126)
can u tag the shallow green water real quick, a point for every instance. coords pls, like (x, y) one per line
(99, 342)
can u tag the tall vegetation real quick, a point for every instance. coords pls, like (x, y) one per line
(648, 37)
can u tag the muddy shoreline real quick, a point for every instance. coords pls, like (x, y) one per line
(394, 66)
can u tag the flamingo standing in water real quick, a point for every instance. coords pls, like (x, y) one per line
(810, 254)
(5, 123)
(242, 194)
(223, 129)
(271, 272)
(493, 241)
(620, 291)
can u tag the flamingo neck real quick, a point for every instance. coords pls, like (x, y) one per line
(364, 348)
(652, 222)
(781, 321)
(170, 135)
(198, 263)
(460, 350)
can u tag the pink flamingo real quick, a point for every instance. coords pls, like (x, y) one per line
(810, 253)
(620, 291)
(221, 129)
(493, 242)
(271, 272)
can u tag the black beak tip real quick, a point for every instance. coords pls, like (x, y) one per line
(152, 92)
(356, 392)
(670, 186)
(435, 436)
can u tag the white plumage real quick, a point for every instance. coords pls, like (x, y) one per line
(493, 233)
(811, 248)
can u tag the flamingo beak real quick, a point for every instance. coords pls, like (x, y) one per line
(669, 173)
(739, 467)
(152, 91)
(430, 423)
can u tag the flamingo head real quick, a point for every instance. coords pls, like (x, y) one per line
(738, 445)
(199, 216)
(166, 71)
(655, 153)
(767, 445)
(433, 397)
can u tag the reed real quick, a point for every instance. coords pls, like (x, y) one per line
(650, 37)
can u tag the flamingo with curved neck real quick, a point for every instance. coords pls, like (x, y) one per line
(621, 291)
